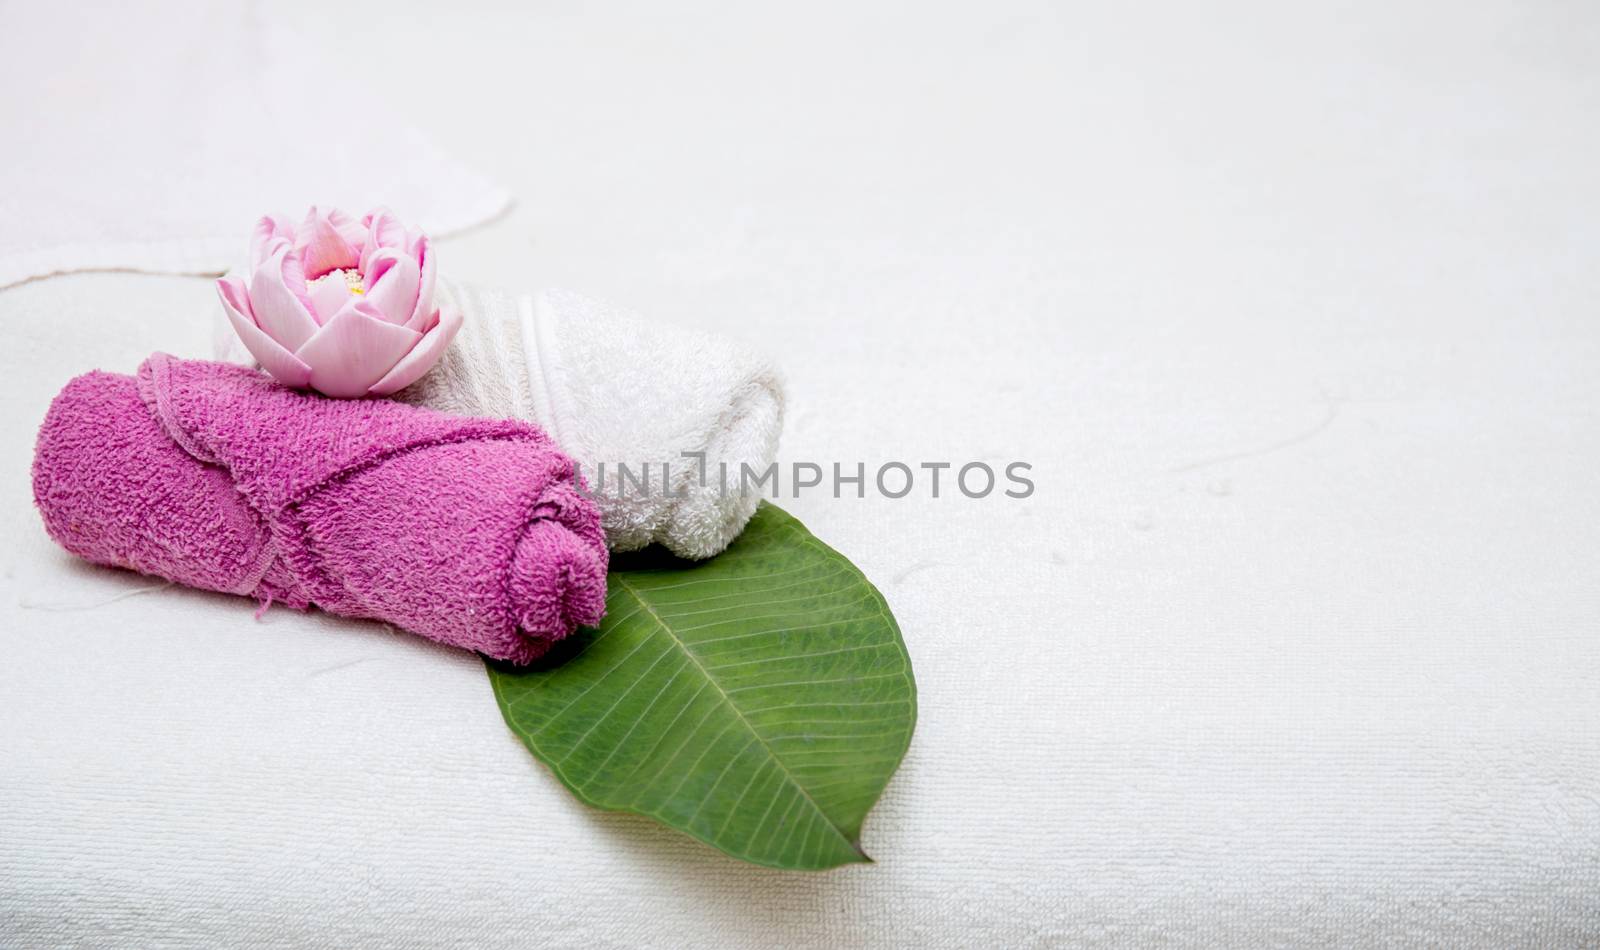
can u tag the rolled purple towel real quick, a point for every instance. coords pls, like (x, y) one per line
(471, 532)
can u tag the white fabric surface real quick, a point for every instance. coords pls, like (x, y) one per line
(151, 135)
(1297, 643)
(687, 412)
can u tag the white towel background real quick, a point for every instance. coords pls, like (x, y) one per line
(149, 135)
(1293, 308)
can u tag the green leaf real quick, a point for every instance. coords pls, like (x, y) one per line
(758, 701)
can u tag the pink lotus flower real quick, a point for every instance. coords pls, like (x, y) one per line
(342, 306)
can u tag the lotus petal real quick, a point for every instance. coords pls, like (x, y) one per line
(348, 227)
(383, 230)
(284, 366)
(234, 294)
(269, 230)
(278, 299)
(424, 310)
(392, 285)
(328, 297)
(354, 350)
(325, 249)
(422, 356)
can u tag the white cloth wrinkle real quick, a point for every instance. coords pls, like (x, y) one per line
(151, 136)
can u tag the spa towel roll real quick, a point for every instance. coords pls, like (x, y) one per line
(614, 390)
(471, 532)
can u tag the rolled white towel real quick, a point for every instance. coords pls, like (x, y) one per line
(612, 390)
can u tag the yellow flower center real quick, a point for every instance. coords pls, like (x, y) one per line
(330, 283)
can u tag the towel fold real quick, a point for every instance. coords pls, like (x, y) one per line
(677, 407)
(472, 532)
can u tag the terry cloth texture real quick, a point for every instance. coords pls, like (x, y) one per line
(684, 411)
(663, 420)
(471, 532)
